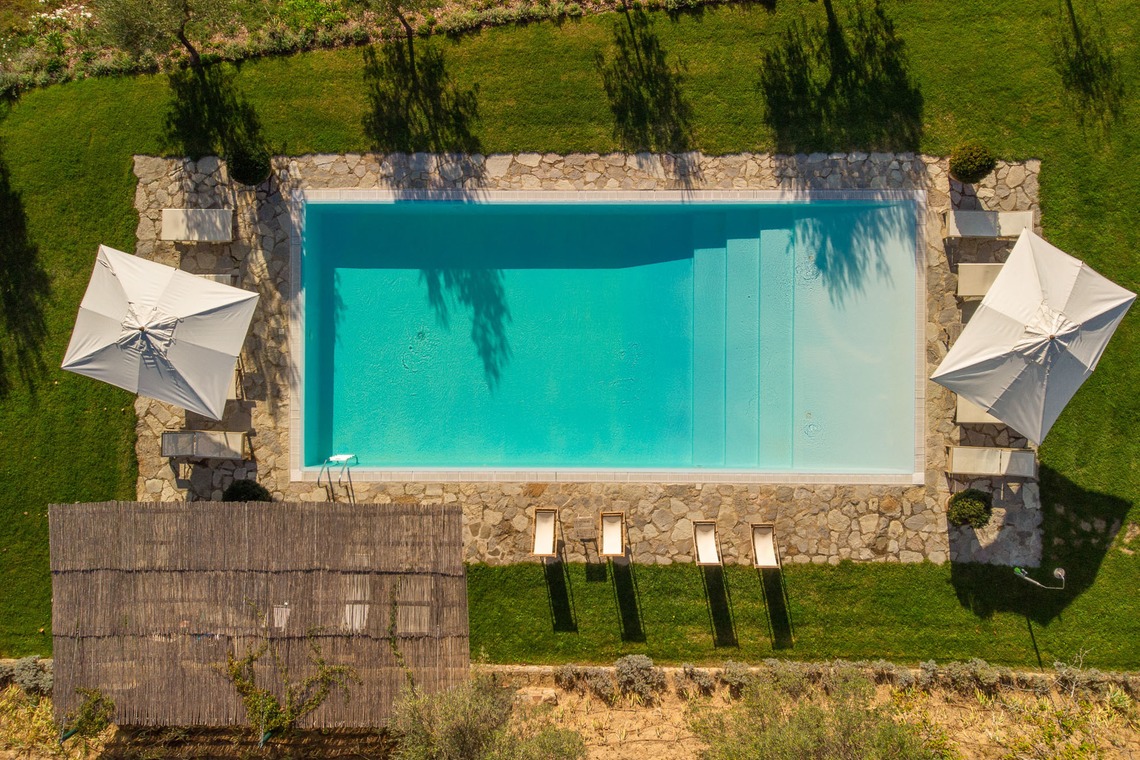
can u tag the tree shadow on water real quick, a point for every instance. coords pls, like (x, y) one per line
(414, 105)
(482, 293)
(1088, 68)
(1079, 528)
(24, 288)
(836, 85)
(850, 246)
(650, 110)
(208, 115)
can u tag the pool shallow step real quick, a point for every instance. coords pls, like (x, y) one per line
(777, 342)
(742, 345)
(742, 348)
(710, 262)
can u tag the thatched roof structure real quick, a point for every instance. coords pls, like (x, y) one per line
(149, 598)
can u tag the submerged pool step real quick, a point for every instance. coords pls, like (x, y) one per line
(710, 264)
(743, 284)
(777, 347)
(742, 350)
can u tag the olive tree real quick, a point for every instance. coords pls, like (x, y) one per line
(156, 25)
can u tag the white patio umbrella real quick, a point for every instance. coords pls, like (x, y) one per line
(160, 332)
(1037, 335)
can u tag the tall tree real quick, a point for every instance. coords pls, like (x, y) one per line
(155, 25)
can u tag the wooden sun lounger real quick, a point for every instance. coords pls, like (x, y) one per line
(545, 542)
(986, 460)
(974, 280)
(705, 543)
(969, 413)
(987, 224)
(205, 444)
(198, 225)
(765, 553)
(613, 534)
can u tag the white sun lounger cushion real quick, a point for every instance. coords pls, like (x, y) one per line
(764, 552)
(969, 413)
(204, 444)
(545, 521)
(704, 538)
(987, 224)
(206, 225)
(974, 280)
(225, 278)
(613, 540)
(986, 460)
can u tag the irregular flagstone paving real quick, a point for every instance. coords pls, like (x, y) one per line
(814, 523)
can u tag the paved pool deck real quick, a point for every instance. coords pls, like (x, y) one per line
(819, 522)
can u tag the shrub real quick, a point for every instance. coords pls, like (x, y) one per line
(692, 682)
(637, 677)
(736, 676)
(970, 507)
(249, 164)
(464, 721)
(788, 677)
(33, 675)
(927, 674)
(471, 721)
(94, 714)
(846, 724)
(601, 684)
(246, 490)
(970, 162)
(569, 677)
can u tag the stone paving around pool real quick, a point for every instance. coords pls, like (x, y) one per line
(814, 523)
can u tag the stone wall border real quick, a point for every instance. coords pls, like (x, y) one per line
(815, 523)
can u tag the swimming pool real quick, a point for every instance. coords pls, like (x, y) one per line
(712, 336)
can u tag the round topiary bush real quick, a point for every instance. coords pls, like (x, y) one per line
(246, 490)
(249, 164)
(970, 162)
(970, 507)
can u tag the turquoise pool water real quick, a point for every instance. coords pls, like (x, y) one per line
(766, 337)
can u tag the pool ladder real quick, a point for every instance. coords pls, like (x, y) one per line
(344, 475)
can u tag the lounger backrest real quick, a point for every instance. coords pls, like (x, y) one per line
(613, 534)
(545, 524)
(987, 224)
(206, 225)
(704, 539)
(969, 413)
(204, 444)
(986, 460)
(975, 280)
(764, 551)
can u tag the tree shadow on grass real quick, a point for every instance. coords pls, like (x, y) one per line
(208, 115)
(645, 92)
(1078, 529)
(24, 288)
(1089, 70)
(414, 105)
(842, 85)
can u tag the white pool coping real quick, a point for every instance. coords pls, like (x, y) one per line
(298, 472)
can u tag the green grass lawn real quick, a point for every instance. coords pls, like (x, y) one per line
(980, 70)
